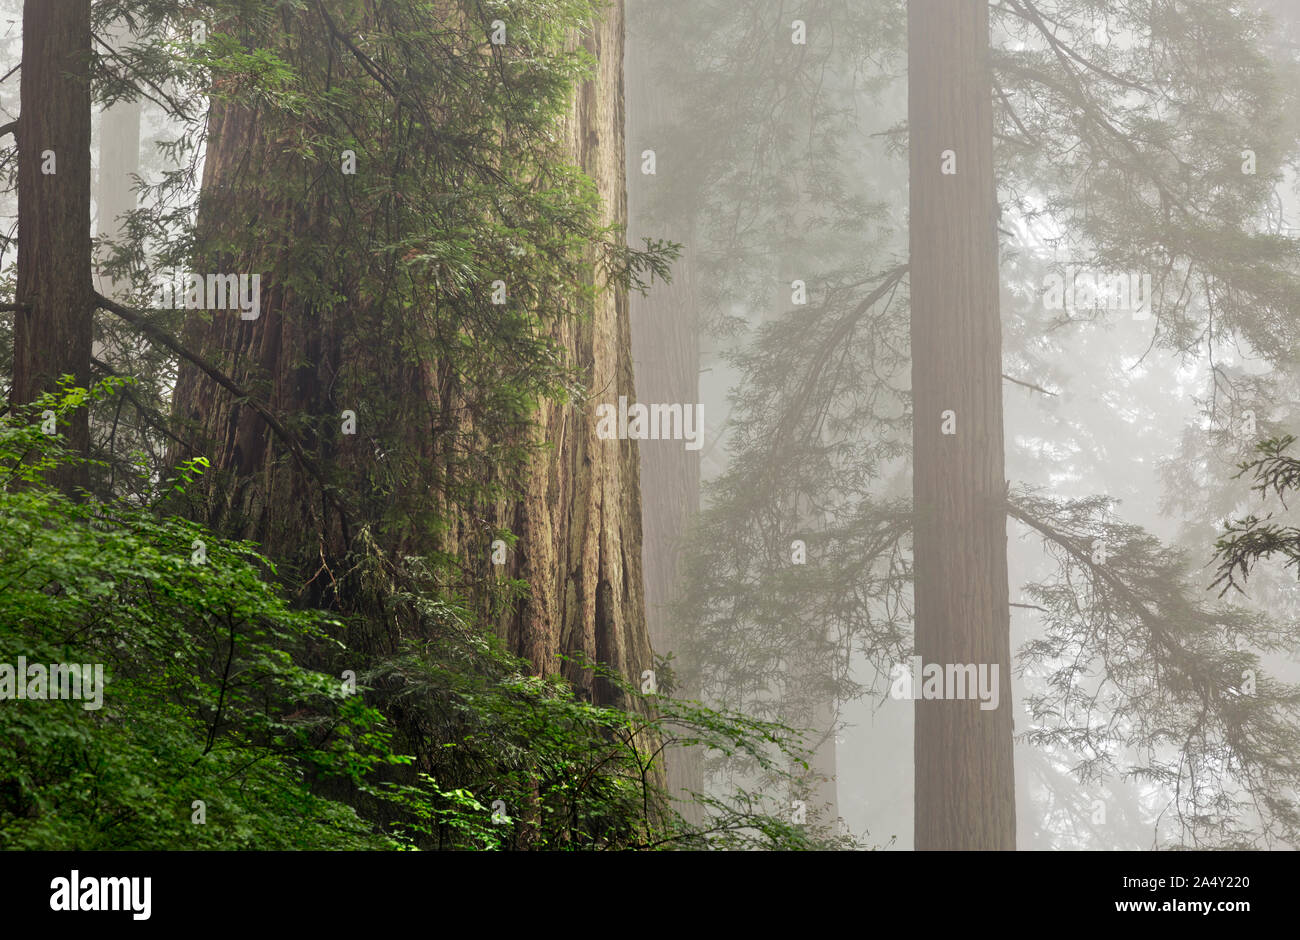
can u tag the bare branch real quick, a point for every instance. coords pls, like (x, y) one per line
(1036, 388)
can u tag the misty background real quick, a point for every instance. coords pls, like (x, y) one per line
(769, 139)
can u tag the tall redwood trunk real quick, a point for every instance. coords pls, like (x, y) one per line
(578, 517)
(964, 781)
(666, 346)
(580, 520)
(52, 327)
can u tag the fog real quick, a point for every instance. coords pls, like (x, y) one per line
(1098, 402)
(779, 138)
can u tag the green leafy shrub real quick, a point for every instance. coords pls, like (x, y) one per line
(218, 690)
(202, 697)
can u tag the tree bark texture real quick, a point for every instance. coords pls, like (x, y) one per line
(52, 327)
(965, 795)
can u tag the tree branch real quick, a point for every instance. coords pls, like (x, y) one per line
(141, 408)
(1031, 385)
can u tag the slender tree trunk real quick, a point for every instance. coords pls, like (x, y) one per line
(820, 718)
(964, 780)
(666, 347)
(119, 162)
(818, 711)
(52, 327)
(824, 762)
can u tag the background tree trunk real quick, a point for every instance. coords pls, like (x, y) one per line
(666, 347)
(119, 162)
(52, 327)
(965, 789)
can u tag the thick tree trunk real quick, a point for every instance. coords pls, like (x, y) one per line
(287, 357)
(666, 347)
(52, 327)
(963, 754)
(578, 518)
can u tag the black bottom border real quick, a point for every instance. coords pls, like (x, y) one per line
(655, 890)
